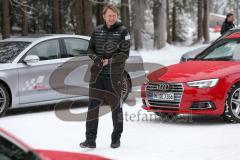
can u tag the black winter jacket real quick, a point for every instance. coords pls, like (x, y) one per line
(226, 26)
(110, 43)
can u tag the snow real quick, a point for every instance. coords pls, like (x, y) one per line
(145, 135)
(218, 15)
(142, 139)
(167, 56)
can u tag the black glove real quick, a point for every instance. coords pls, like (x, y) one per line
(98, 61)
(96, 68)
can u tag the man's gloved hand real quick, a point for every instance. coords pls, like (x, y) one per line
(96, 68)
(98, 61)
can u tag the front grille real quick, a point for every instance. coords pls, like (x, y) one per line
(175, 88)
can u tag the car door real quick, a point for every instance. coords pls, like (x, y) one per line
(34, 78)
(77, 49)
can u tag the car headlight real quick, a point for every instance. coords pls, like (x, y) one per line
(203, 83)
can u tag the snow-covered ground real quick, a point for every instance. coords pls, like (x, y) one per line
(145, 136)
(205, 138)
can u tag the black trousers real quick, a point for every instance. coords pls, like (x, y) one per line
(105, 89)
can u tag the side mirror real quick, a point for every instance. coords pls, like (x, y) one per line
(31, 59)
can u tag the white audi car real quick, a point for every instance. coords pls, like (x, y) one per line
(44, 69)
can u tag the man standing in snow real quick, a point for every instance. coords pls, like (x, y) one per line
(228, 23)
(108, 48)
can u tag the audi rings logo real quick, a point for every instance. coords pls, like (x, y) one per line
(164, 87)
(111, 47)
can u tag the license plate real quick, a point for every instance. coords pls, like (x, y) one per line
(163, 96)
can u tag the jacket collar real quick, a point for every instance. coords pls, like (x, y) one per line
(115, 25)
(228, 22)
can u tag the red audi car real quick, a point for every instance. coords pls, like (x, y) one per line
(209, 84)
(13, 149)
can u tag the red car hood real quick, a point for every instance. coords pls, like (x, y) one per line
(195, 70)
(58, 155)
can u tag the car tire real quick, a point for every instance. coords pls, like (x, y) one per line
(4, 99)
(232, 107)
(126, 87)
(167, 117)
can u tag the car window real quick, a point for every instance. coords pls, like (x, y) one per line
(10, 151)
(10, 50)
(226, 49)
(76, 46)
(46, 50)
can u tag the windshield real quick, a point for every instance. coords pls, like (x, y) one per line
(10, 151)
(10, 50)
(224, 50)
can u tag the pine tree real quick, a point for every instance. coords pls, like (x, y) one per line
(24, 17)
(5, 19)
(200, 20)
(137, 22)
(206, 21)
(159, 19)
(125, 13)
(56, 16)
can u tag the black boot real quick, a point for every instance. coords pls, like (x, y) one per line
(115, 143)
(88, 144)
